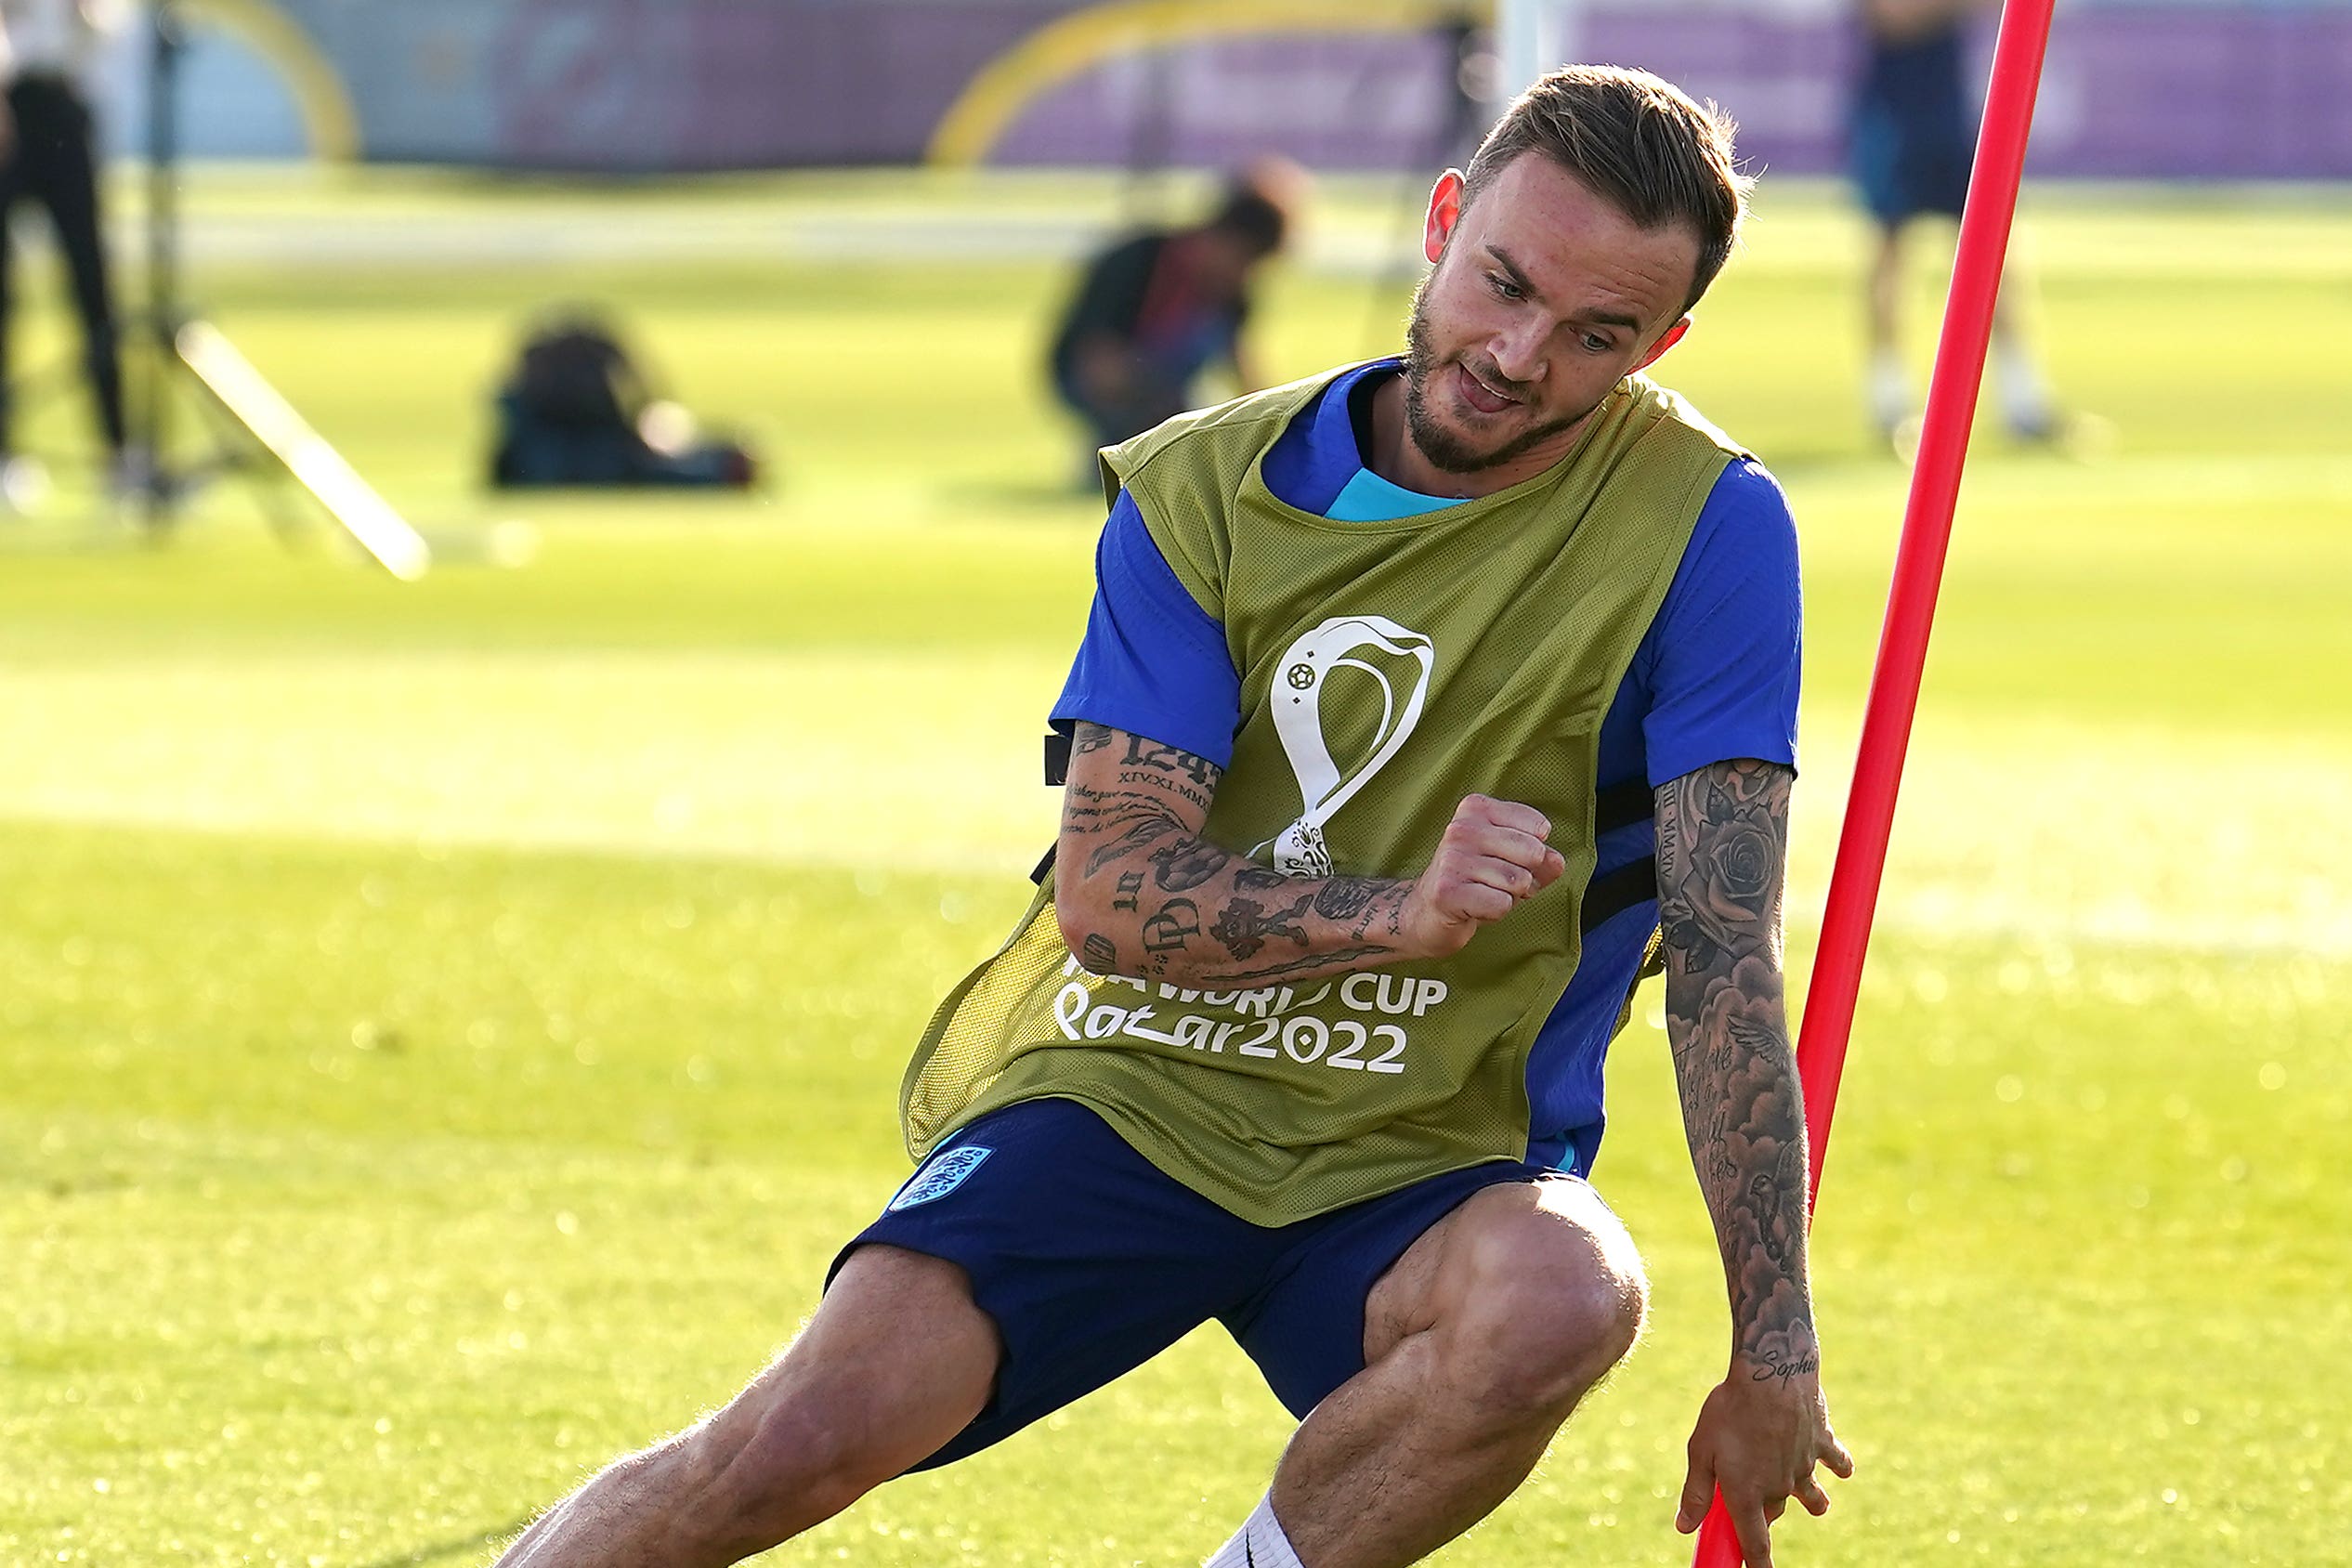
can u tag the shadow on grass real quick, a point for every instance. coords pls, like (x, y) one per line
(451, 1547)
(1064, 497)
(1792, 459)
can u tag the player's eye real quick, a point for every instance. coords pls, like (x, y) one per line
(1503, 288)
(1596, 344)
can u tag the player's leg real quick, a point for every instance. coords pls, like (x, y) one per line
(1888, 387)
(1477, 1343)
(1033, 1259)
(1880, 151)
(2027, 406)
(70, 188)
(12, 186)
(895, 1363)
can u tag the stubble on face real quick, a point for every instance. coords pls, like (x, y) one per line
(1445, 451)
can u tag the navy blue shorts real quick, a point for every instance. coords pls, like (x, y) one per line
(1092, 1260)
(1909, 167)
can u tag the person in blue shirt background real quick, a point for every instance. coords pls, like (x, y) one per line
(1911, 141)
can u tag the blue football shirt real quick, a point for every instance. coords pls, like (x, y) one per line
(1714, 679)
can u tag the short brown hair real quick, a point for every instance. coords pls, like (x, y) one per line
(1639, 142)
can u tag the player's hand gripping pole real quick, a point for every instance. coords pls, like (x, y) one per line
(1911, 603)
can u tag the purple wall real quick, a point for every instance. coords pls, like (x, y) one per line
(2196, 93)
(2165, 90)
(653, 84)
(1330, 101)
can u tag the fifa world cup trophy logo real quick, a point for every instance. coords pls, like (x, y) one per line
(1352, 686)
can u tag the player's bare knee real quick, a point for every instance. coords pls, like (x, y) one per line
(1548, 1303)
(1603, 1297)
(1538, 1351)
(1600, 1309)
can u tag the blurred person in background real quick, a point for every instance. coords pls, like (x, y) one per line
(1913, 139)
(47, 152)
(1157, 309)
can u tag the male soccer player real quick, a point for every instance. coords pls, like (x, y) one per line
(1911, 138)
(1416, 699)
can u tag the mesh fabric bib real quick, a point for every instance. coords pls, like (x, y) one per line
(1388, 668)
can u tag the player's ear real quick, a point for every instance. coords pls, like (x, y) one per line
(1666, 340)
(1445, 210)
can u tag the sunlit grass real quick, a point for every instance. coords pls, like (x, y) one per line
(449, 1028)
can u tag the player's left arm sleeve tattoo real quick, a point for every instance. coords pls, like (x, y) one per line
(1722, 859)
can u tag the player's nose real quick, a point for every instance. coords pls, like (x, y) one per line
(1518, 354)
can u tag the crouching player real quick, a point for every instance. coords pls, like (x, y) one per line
(1419, 703)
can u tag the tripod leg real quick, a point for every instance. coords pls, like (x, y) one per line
(241, 393)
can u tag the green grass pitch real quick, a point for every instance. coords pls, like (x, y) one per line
(445, 1029)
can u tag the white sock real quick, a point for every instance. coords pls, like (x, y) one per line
(1260, 1543)
(2024, 396)
(1889, 389)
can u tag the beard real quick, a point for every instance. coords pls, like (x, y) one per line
(1446, 451)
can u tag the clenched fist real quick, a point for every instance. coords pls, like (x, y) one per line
(1493, 855)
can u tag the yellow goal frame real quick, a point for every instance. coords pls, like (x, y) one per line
(1069, 45)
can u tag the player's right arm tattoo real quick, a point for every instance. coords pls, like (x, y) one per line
(1723, 855)
(1135, 873)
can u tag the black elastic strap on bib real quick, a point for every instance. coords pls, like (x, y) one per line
(1620, 890)
(1621, 805)
(1057, 772)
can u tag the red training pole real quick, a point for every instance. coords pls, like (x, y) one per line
(1911, 603)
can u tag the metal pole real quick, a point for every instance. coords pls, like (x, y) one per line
(1531, 38)
(162, 244)
(1911, 603)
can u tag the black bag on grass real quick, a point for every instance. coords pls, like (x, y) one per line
(574, 412)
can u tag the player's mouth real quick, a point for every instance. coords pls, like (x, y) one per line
(1481, 394)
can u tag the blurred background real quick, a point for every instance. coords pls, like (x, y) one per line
(446, 1024)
